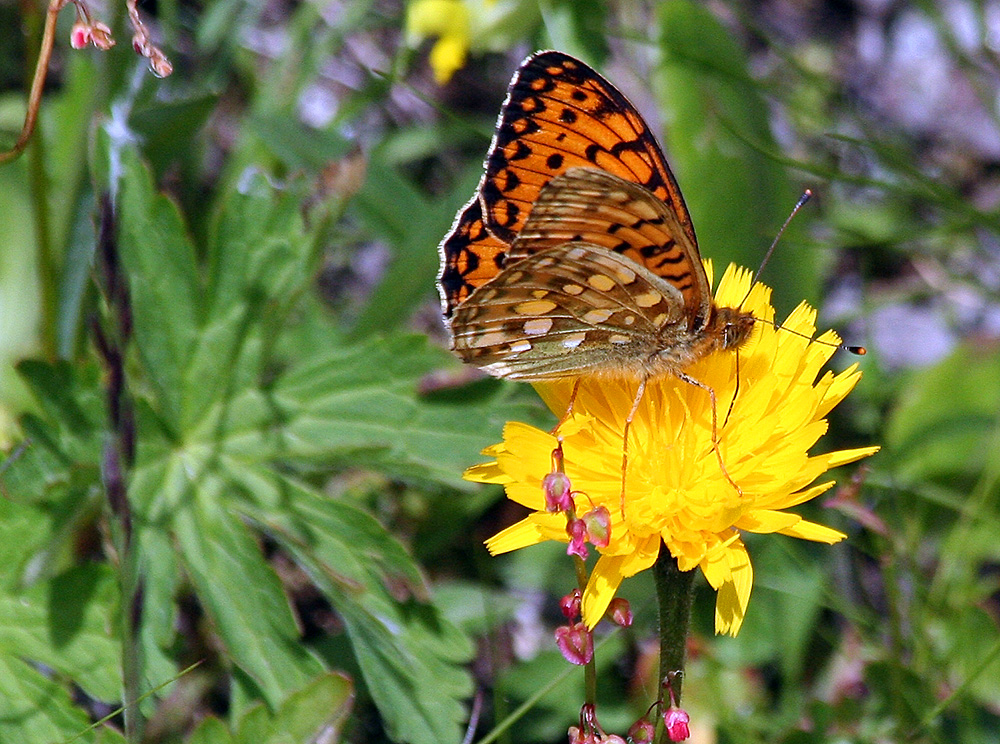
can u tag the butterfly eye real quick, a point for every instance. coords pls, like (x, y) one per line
(736, 331)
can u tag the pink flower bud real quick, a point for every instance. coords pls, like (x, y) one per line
(575, 643)
(620, 612)
(100, 34)
(578, 736)
(598, 523)
(642, 731)
(570, 605)
(612, 739)
(557, 489)
(159, 64)
(577, 531)
(79, 35)
(676, 722)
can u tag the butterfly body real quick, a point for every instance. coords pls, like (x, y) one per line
(577, 255)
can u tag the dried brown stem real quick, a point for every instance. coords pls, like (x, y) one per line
(38, 82)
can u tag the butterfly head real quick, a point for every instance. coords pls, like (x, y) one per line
(728, 328)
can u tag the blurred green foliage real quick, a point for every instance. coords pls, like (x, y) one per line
(300, 522)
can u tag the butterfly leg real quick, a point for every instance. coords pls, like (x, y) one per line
(569, 408)
(628, 424)
(715, 426)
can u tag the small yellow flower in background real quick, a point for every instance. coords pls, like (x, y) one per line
(676, 493)
(461, 26)
(448, 20)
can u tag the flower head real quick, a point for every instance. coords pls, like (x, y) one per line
(771, 407)
(448, 20)
(461, 27)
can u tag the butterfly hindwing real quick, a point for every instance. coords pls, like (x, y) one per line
(597, 207)
(565, 310)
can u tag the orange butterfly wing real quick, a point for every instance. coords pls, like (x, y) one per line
(561, 114)
(470, 256)
(593, 206)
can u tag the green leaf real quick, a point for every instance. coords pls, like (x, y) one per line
(312, 714)
(210, 730)
(64, 624)
(243, 597)
(414, 225)
(168, 127)
(361, 401)
(259, 260)
(23, 529)
(718, 137)
(790, 588)
(316, 712)
(164, 286)
(36, 709)
(942, 430)
(296, 145)
(971, 646)
(578, 27)
(399, 644)
(55, 470)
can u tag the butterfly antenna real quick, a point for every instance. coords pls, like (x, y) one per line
(806, 196)
(856, 350)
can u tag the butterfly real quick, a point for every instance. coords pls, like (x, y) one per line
(576, 255)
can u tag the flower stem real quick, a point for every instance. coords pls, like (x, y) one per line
(590, 668)
(674, 592)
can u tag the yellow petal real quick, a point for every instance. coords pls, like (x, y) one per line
(764, 521)
(734, 594)
(770, 410)
(532, 530)
(487, 472)
(806, 530)
(604, 581)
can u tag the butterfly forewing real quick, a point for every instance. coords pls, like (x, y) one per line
(597, 207)
(560, 114)
(470, 256)
(570, 309)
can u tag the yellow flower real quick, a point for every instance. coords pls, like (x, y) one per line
(676, 492)
(448, 20)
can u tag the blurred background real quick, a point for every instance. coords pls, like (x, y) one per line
(318, 152)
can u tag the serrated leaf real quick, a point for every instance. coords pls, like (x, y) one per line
(259, 260)
(399, 645)
(243, 596)
(360, 404)
(37, 709)
(64, 624)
